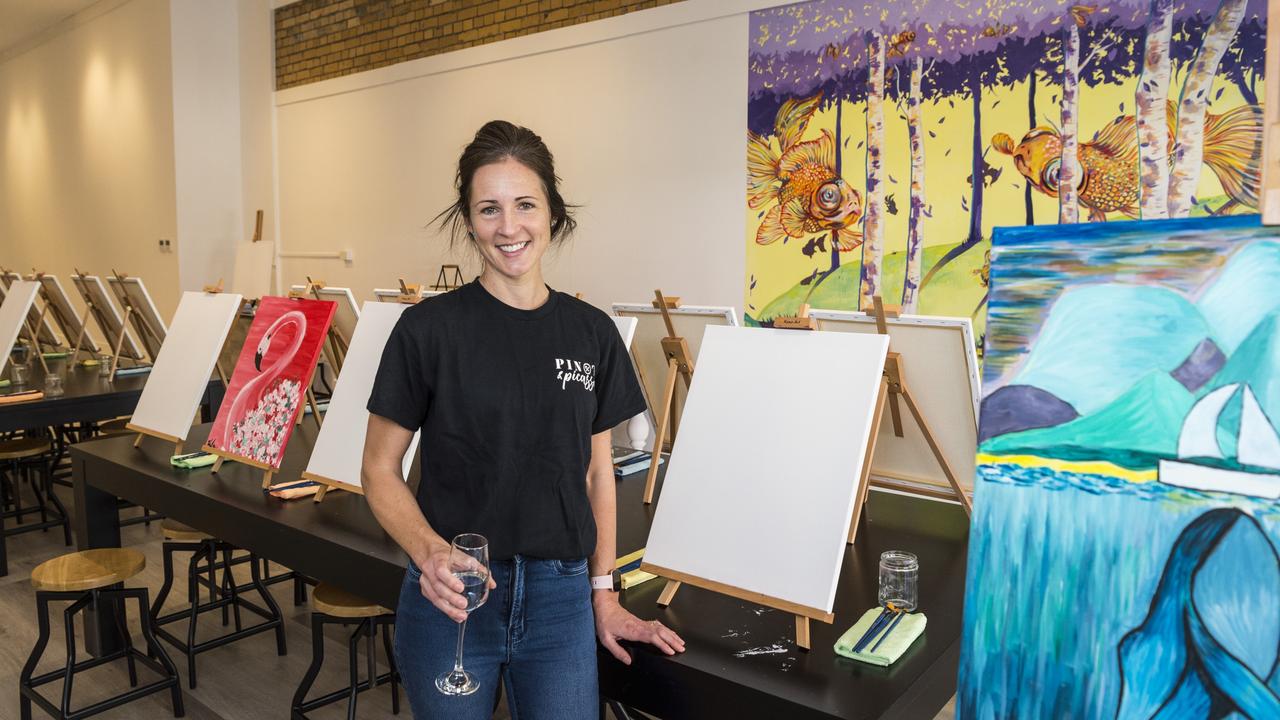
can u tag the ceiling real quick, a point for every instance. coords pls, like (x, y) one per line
(23, 19)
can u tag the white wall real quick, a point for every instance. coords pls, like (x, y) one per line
(646, 115)
(86, 141)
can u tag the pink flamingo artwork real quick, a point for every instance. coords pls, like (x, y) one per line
(271, 375)
(264, 408)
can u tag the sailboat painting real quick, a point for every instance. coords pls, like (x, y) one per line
(1124, 554)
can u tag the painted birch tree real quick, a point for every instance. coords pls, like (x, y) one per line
(1151, 98)
(1069, 169)
(915, 231)
(1188, 146)
(873, 220)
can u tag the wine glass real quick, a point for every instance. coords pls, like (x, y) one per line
(469, 562)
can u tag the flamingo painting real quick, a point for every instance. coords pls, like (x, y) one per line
(266, 389)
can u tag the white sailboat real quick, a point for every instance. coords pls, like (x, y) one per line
(1257, 449)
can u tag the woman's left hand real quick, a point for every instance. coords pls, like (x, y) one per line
(614, 623)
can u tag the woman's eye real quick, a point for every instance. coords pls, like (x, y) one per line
(488, 210)
(526, 206)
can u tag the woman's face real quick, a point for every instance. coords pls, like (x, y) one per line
(510, 220)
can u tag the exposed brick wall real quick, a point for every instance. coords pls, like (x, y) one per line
(322, 39)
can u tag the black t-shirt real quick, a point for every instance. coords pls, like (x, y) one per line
(507, 401)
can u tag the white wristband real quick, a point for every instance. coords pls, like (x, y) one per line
(602, 582)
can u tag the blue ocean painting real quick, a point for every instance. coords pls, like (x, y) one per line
(1123, 557)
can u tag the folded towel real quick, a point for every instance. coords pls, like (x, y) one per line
(910, 627)
(4, 383)
(191, 461)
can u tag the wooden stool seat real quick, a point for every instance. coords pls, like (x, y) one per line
(174, 530)
(115, 427)
(333, 601)
(23, 448)
(88, 569)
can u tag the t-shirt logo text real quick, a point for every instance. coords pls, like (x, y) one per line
(568, 371)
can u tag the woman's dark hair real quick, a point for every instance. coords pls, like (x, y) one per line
(495, 142)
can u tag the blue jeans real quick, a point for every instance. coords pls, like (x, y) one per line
(536, 632)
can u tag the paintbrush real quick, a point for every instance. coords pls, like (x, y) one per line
(887, 631)
(879, 623)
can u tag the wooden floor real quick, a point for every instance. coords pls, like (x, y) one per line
(245, 680)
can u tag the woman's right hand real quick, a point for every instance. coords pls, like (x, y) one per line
(440, 587)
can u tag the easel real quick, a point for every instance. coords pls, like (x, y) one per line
(91, 307)
(443, 282)
(64, 323)
(39, 322)
(177, 441)
(327, 484)
(139, 320)
(679, 362)
(409, 294)
(338, 345)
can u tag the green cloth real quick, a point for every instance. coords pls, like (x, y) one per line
(4, 383)
(191, 461)
(910, 627)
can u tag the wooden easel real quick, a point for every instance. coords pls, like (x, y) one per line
(444, 282)
(90, 308)
(679, 362)
(140, 321)
(338, 344)
(327, 484)
(177, 441)
(410, 294)
(893, 387)
(803, 613)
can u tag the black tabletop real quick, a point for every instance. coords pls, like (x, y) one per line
(86, 396)
(741, 659)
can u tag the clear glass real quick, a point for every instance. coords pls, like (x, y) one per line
(52, 385)
(104, 365)
(899, 573)
(469, 562)
(19, 364)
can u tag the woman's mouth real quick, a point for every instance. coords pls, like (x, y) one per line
(513, 248)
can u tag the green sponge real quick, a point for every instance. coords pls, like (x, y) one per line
(905, 632)
(190, 461)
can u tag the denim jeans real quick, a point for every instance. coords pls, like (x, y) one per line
(536, 632)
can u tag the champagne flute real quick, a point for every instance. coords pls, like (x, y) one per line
(469, 562)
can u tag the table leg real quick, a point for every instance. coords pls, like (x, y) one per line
(97, 525)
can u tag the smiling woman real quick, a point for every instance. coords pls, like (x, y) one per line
(515, 388)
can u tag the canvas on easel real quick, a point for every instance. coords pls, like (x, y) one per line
(36, 317)
(19, 298)
(668, 336)
(141, 310)
(114, 332)
(64, 315)
(183, 366)
(727, 506)
(394, 295)
(345, 317)
(944, 384)
(335, 461)
(270, 382)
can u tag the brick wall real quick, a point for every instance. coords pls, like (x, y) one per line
(321, 39)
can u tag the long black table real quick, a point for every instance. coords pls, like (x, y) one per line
(86, 398)
(740, 661)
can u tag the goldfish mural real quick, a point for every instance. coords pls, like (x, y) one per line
(886, 141)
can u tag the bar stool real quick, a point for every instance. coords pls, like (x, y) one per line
(23, 459)
(224, 595)
(87, 578)
(332, 606)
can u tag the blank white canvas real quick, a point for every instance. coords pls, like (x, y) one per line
(761, 483)
(340, 446)
(148, 316)
(626, 328)
(44, 328)
(13, 313)
(941, 369)
(107, 316)
(181, 372)
(393, 295)
(66, 316)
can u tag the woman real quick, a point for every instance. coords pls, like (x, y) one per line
(515, 388)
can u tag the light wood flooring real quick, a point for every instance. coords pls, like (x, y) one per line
(245, 680)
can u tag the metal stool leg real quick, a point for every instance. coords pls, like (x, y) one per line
(42, 640)
(317, 660)
(272, 607)
(353, 668)
(391, 665)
